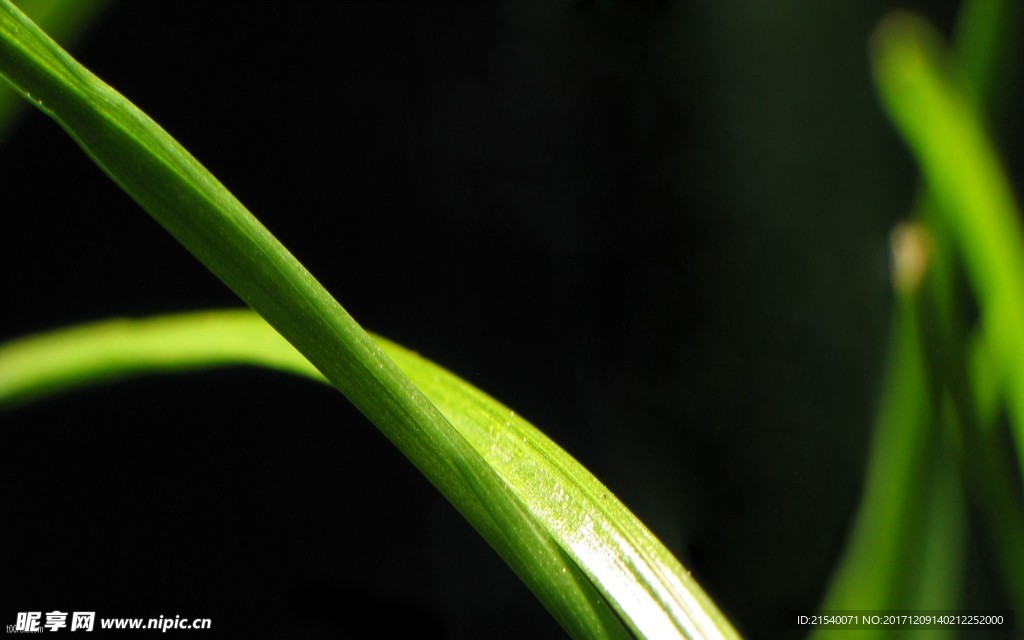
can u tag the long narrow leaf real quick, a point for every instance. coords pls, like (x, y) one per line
(906, 549)
(65, 21)
(585, 518)
(960, 165)
(640, 582)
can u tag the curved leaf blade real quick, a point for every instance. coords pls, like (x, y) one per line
(203, 216)
(603, 542)
(935, 114)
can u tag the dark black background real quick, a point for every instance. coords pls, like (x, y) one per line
(657, 229)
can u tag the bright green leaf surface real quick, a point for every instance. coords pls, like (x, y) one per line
(539, 531)
(65, 21)
(580, 514)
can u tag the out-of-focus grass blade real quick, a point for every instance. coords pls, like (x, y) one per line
(602, 540)
(65, 21)
(905, 550)
(971, 384)
(892, 555)
(932, 105)
(973, 197)
(642, 586)
(35, 367)
(987, 43)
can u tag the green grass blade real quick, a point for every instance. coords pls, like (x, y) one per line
(974, 213)
(645, 588)
(35, 367)
(986, 45)
(972, 193)
(884, 565)
(913, 559)
(65, 21)
(541, 474)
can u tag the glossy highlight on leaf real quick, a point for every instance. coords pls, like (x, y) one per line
(601, 540)
(598, 571)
